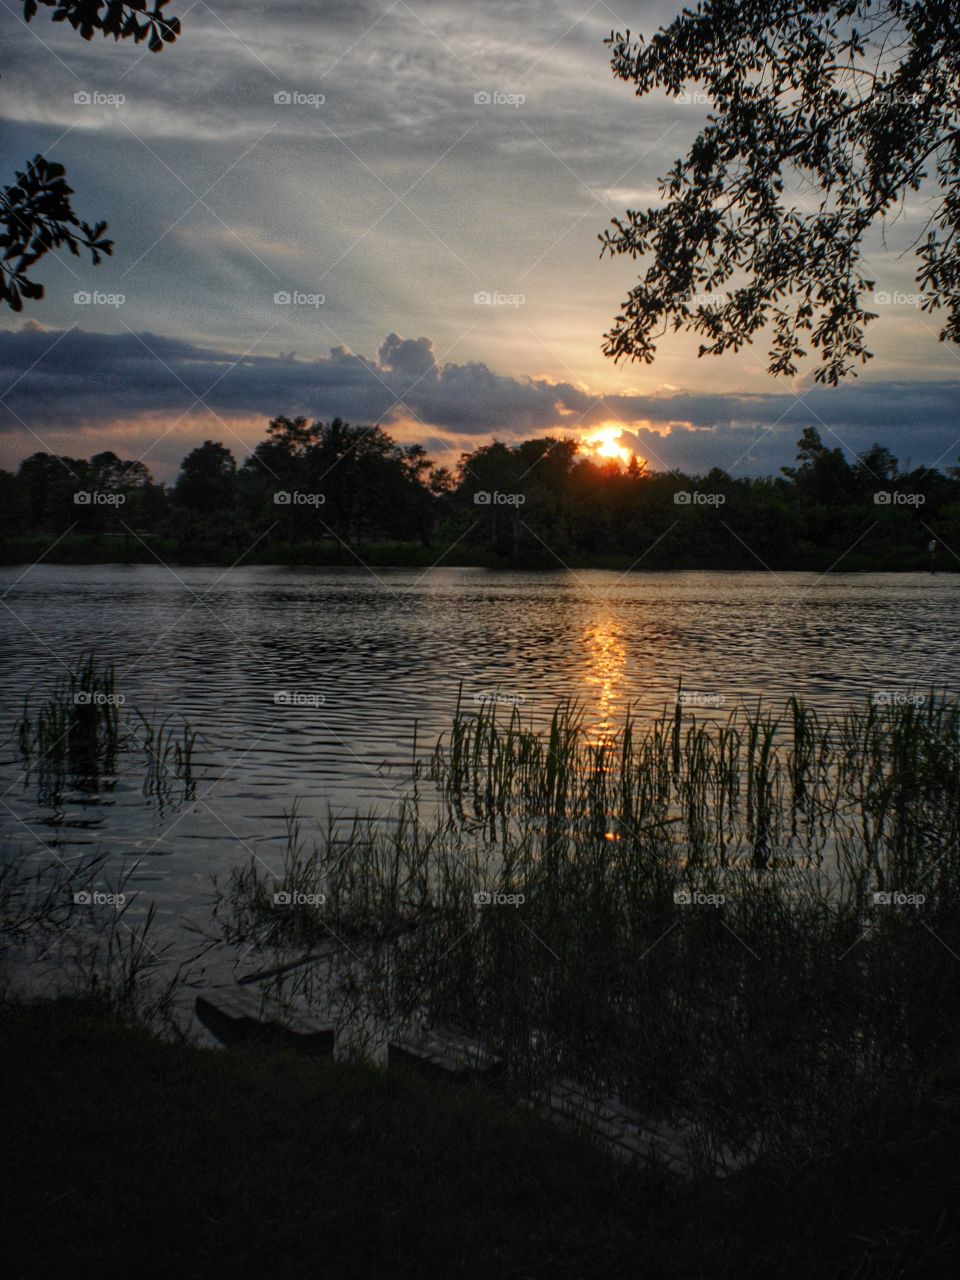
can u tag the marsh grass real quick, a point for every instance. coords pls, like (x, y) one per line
(76, 732)
(61, 916)
(169, 758)
(687, 917)
(76, 736)
(67, 930)
(120, 966)
(36, 897)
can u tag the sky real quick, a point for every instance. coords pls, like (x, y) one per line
(390, 212)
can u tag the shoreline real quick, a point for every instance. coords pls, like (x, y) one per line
(264, 1163)
(99, 551)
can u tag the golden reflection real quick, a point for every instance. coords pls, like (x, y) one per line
(604, 677)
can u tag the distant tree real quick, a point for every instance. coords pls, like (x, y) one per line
(353, 482)
(14, 508)
(858, 101)
(291, 436)
(36, 215)
(824, 474)
(207, 479)
(142, 497)
(876, 466)
(50, 486)
(519, 495)
(369, 482)
(48, 483)
(110, 474)
(817, 514)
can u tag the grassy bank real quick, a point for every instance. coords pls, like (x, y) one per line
(92, 549)
(743, 922)
(747, 923)
(126, 1155)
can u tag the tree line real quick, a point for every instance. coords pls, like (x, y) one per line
(323, 492)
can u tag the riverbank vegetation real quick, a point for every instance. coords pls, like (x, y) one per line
(330, 493)
(739, 924)
(76, 735)
(744, 925)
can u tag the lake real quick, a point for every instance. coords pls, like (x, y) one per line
(306, 686)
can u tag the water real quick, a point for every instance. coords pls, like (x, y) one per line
(362, 657)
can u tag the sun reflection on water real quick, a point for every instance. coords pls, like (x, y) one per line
(604, 677)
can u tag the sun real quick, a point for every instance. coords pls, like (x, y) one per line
(605, 443)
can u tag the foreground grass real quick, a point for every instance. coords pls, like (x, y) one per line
(746, 923)
(127, 1155)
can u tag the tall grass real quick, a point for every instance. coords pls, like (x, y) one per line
(76, 732)
(65, 929)
(168, 758)
(76, 736)
(682, 914)
(53, 915)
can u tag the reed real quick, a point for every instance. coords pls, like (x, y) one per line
(682, 914)
(168, 756)
(76, 732)
(77, 735)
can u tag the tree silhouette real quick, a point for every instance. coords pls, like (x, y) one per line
(122, 19)
(376, 496)
(36, 215)
(857, 100)
(207, 479)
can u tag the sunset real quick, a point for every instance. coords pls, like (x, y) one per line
(480, 701)
(605, 443)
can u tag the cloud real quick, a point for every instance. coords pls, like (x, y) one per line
(399, 199)
(408, 356)
(63, 381)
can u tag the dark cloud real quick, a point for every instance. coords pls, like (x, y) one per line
(408, 356)
(399, 200)
(66, 380)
